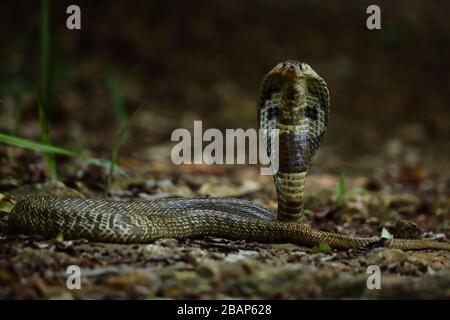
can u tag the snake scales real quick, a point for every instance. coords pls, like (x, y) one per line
(294, 100)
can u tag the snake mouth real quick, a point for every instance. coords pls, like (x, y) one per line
(290, 69)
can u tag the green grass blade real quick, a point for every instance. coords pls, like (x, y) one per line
(33, 145)
(122, 121)
(115, 92)
(45, 51)
(46, 148)
(340, 192)
(113, 160)
(46, 139)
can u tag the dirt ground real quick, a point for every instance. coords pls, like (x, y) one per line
(218, 268)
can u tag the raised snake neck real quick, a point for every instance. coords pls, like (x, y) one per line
(294, 100)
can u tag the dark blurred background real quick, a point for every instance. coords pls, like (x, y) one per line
(179, 61)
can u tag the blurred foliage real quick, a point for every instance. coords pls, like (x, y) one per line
(44, 84)
(121, 117)
(46, 139)
(340, 195)
(205, 60)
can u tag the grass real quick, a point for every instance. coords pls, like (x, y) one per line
(49, 149)
(33, 145)
(340, 195)
(113, 159)
(46, 139)
(43, 102)
(44, 87)
(122, 120)
(45, 52)
(118, 101)
(18, 115)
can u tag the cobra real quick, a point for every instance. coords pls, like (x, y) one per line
(293, 99)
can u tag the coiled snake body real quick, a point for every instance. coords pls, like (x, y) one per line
(294, 100)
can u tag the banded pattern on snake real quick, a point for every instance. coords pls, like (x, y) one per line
(294, 100)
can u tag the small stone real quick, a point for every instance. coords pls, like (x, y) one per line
(167, 242)
(406, 230)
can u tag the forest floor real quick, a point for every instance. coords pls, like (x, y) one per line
(31, 267)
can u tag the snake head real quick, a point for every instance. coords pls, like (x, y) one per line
(294, 80)
(294, 70)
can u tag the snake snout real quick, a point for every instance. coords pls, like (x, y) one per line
(289, 68)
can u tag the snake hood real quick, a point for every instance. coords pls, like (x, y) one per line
(294, 92)
(295, 100)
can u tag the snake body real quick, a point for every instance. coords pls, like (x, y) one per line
(294, 100)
